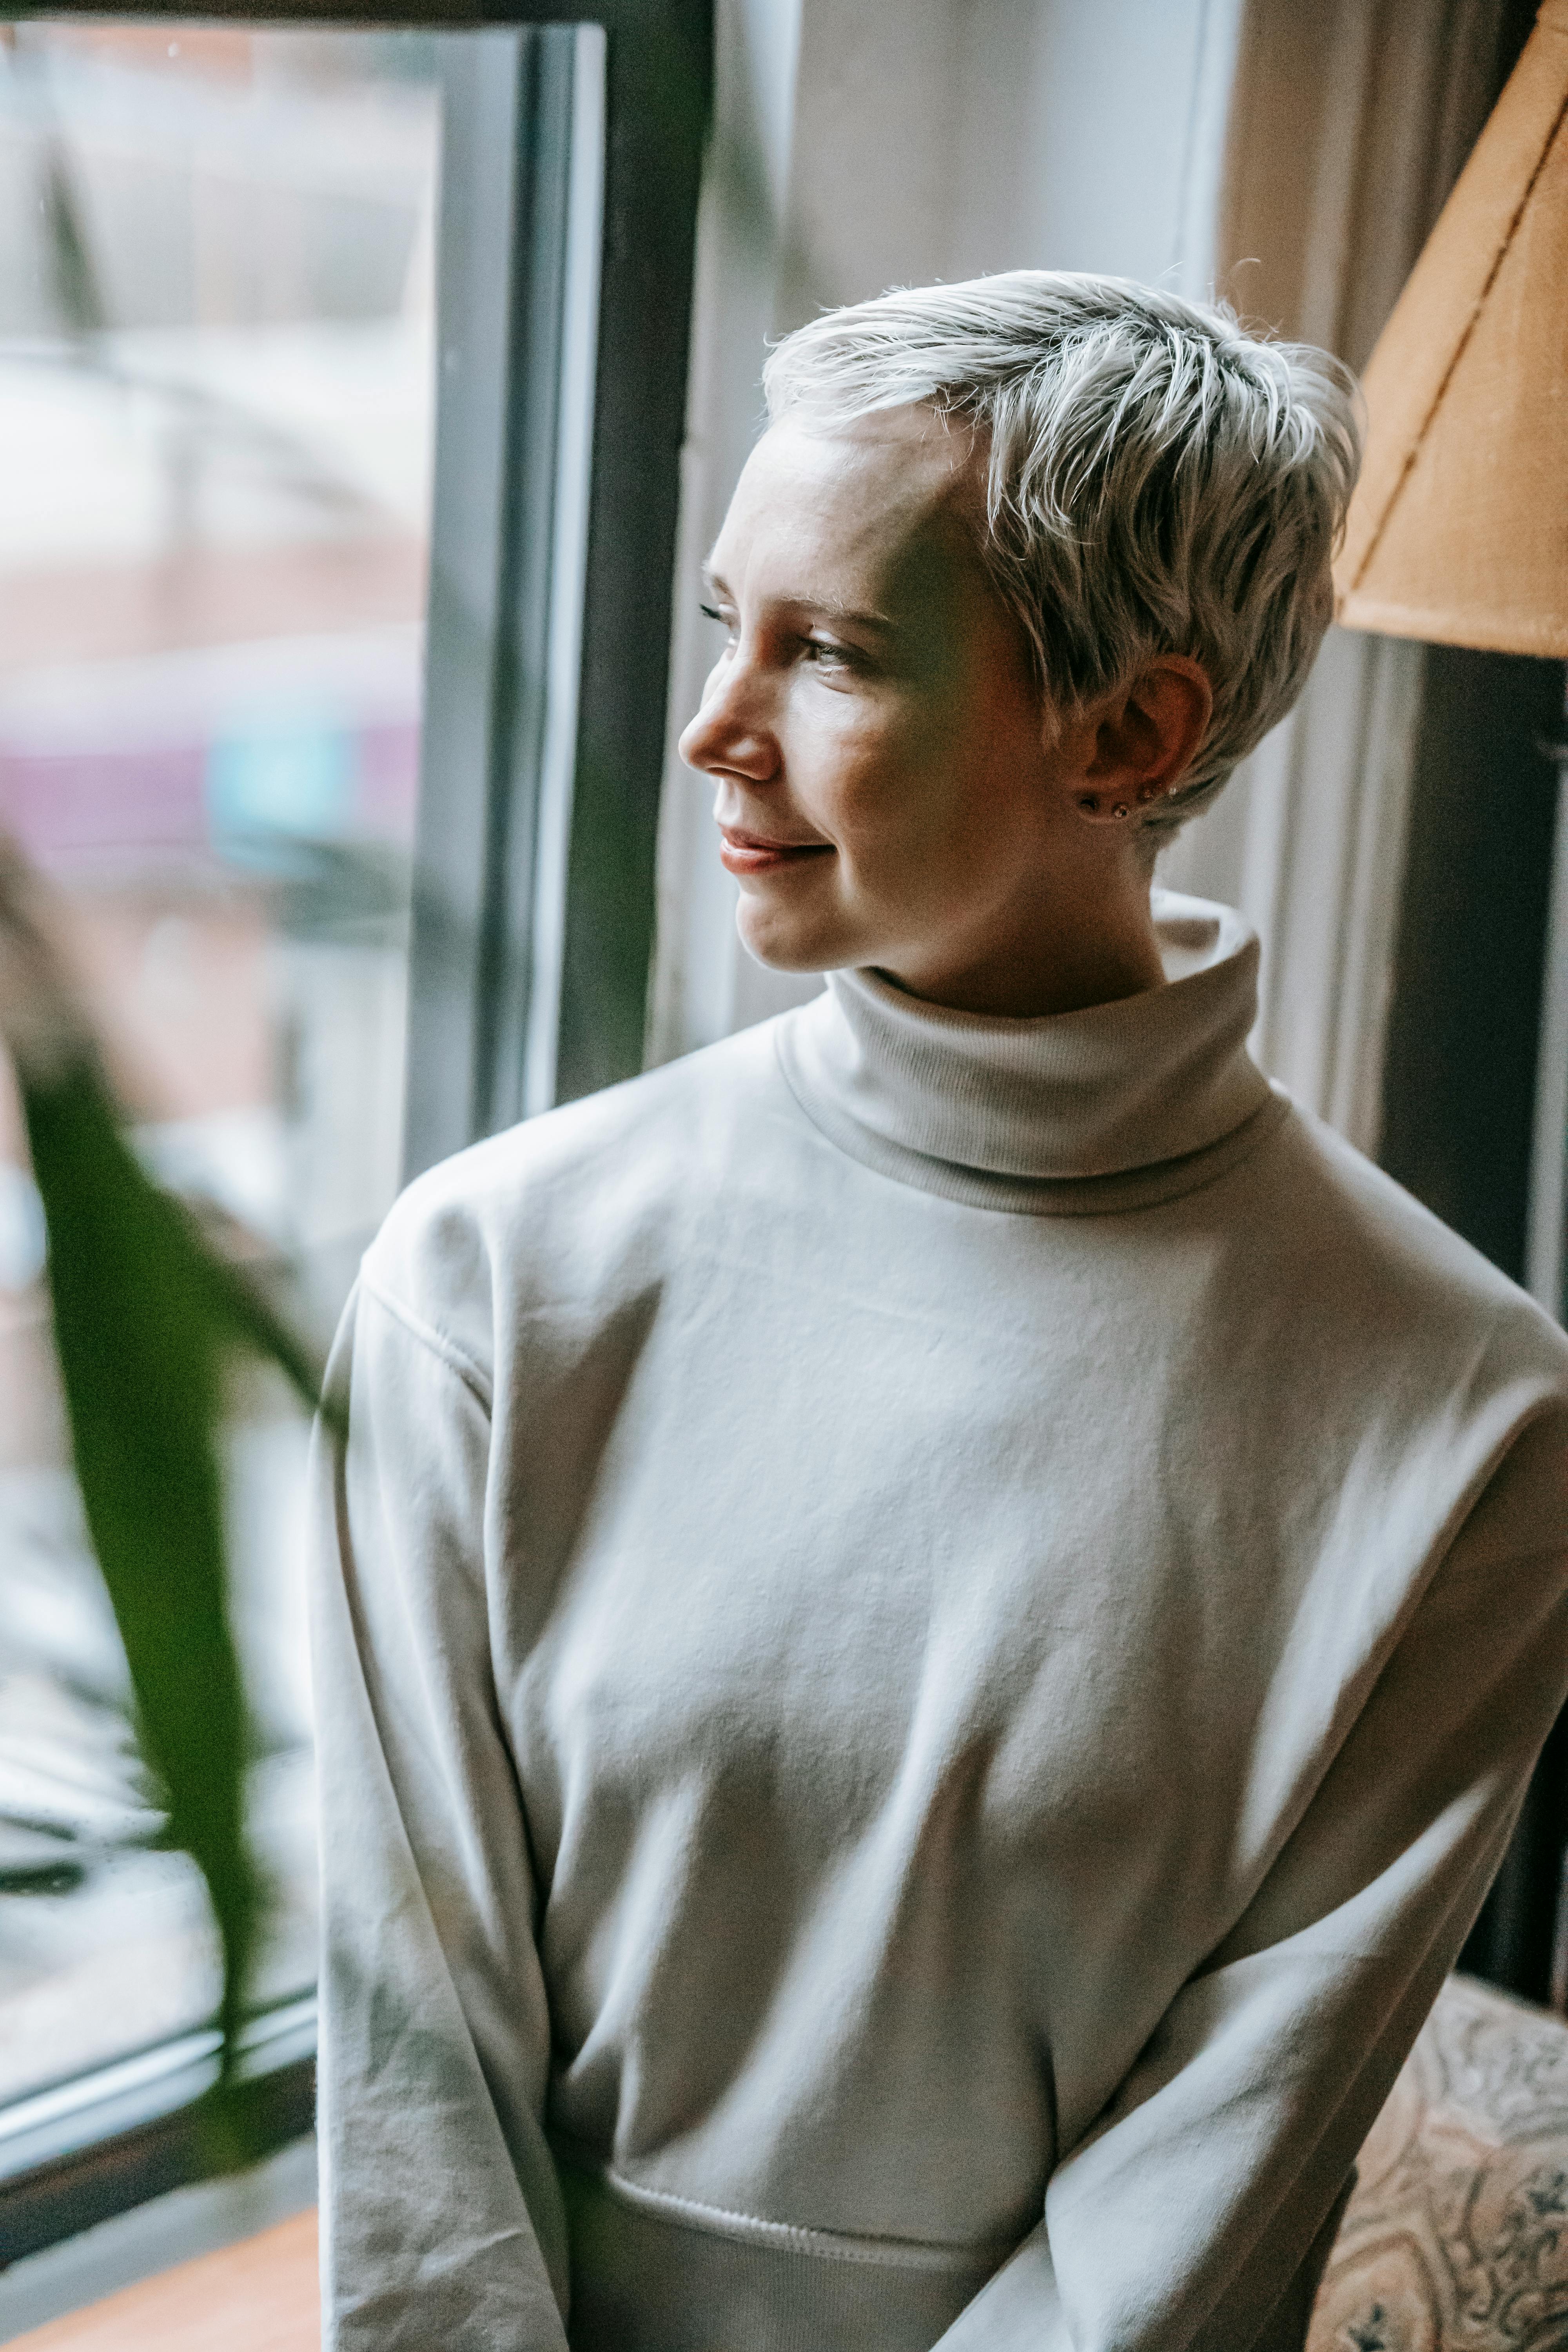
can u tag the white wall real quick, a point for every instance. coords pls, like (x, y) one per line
(944, 138)
(1092, 137)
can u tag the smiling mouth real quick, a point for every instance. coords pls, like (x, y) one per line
(750, 853)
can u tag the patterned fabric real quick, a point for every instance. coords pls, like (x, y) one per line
(1456, 2237)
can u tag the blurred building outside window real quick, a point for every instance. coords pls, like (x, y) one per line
(216, 398)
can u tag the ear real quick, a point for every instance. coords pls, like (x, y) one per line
(1141, 740)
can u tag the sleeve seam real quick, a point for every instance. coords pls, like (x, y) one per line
(456, 1358)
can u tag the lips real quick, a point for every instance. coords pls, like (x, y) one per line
(754, 853)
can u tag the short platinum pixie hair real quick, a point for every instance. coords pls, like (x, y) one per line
(1158, 480)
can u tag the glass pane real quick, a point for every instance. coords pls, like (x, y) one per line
(215, 427)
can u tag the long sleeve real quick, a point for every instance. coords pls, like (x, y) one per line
(442, 2217)
(1214, 2178)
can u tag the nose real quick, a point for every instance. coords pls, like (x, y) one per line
(731, 734)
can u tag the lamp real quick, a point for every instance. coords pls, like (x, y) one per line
(1458, 533)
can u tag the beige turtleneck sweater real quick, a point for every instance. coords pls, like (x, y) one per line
(928, 1641)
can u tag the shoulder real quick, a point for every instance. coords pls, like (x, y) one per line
(1355, 1261)
(570, 1205)
(1361, 1371)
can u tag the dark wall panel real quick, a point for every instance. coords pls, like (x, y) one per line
(1460, 1078)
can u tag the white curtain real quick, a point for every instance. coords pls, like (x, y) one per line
(1350, 120)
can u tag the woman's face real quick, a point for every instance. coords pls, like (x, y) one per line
(887, 791)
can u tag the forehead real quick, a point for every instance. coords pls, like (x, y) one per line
(864, 512)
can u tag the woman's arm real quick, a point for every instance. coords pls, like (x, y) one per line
(442, 2223)
(1195, 2216)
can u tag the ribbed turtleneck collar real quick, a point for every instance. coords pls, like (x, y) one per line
(1115, 1106)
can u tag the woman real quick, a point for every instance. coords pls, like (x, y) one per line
(935, 1618)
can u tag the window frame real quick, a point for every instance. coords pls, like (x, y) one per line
(122, 2134)
(473, 958)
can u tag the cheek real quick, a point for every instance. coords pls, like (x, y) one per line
(867, 767)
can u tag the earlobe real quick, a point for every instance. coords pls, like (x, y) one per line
(1146, 739)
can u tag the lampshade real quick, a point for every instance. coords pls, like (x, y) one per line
(1458, 530)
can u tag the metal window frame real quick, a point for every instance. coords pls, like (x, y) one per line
(480, 1053)
(508, 1011)
(122, 2134)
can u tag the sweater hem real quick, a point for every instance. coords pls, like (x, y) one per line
(656, 2273)
(792, 2237)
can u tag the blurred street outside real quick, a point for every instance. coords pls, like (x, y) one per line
(216, 392)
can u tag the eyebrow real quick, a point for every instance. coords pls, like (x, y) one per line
(830, 611)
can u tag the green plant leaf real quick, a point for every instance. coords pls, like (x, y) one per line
(144, 1314)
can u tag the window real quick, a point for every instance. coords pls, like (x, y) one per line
(341, 375)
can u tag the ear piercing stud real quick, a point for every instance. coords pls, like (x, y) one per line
(1090, 806)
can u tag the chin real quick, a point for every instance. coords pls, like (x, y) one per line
(784, 946)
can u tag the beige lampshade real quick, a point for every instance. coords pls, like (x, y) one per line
(1458, 530)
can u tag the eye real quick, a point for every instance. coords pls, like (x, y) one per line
(825, 653)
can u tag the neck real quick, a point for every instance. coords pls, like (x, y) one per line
(1059, 960)
(1117, 1104)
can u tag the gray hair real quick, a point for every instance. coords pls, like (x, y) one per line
(1158, 480)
